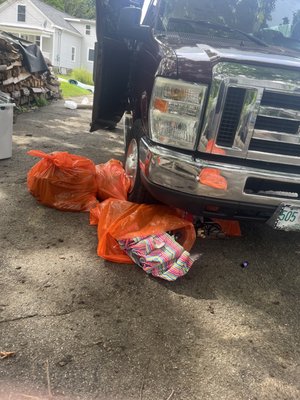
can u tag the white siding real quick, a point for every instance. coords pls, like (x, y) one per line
(34, 18)
(88, 42)
(64, 48)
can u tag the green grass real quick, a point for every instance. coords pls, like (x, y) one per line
(83, 76)
(69, 90)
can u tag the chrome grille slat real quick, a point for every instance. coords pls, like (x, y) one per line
(276, 136)
(266, 111)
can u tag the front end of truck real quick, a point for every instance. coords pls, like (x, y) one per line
(224, 136)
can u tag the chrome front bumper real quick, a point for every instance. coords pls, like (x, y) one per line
(179, 172)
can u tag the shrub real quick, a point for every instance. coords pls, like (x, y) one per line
(82, 75)
(41, 101)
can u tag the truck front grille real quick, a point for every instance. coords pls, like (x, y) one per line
(254, 113)
(231, 116)
(276, 134)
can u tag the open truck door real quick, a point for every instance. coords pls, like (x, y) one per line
(112, 60)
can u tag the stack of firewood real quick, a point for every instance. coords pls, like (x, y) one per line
(24, 88)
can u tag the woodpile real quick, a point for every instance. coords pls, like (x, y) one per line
(24, 88)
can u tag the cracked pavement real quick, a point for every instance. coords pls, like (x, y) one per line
(83, 328)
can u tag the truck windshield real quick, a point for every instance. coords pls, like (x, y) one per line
(275, 22)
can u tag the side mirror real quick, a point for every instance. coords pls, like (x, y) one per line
(129, 19)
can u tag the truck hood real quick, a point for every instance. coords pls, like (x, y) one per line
(196, 59)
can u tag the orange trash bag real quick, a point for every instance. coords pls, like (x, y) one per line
(112, 181)
(229, 227)
(63, 181)
(119, 219)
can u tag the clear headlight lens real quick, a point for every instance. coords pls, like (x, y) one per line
(175, 112)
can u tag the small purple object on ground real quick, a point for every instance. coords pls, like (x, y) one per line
(245, 264)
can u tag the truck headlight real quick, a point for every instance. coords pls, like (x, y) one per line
(175, 112)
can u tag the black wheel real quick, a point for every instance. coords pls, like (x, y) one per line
(137, 192)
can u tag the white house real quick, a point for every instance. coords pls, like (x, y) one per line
(68, 42)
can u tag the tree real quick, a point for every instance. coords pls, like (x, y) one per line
(80, 8)
(59, 4)
(76, 8)
(266, 7)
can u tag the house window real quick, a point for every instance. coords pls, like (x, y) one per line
(25, 37)
(91, 55)
(21, 13)
(38, 41)
(73, 54)
(88, 29)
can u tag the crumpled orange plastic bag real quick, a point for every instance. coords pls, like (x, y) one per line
(112, 181)
(63, 181)
(229, 227)
(119, 219)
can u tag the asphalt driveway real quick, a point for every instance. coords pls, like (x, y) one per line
(83, 328)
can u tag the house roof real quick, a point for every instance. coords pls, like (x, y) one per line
(56, 16)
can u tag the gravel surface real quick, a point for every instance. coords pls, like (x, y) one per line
(83, 328)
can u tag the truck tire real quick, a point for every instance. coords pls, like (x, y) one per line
(137, 192)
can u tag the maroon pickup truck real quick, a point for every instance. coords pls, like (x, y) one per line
(209, 91)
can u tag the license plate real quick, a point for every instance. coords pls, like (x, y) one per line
(286, 218)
